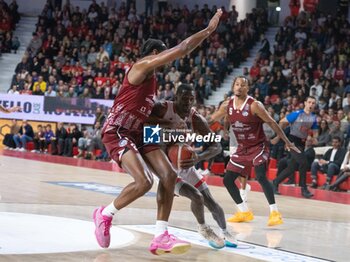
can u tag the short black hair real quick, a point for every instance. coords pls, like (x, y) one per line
(150, 44)
(184, 87)
(337, 138)
(311, 97)
(244, 77)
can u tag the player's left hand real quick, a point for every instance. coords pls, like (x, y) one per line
(187, 163)
(15, 109)
(291, 146)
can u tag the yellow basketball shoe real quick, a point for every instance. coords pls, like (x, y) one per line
(241, 217)
(275, 219)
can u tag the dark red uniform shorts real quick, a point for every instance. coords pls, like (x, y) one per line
(121, 140)
(244, 159)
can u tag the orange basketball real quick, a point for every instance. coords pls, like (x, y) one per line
(179, 152)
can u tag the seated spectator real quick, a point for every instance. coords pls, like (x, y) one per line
(25, 135)
(73, 135)
(336, 132)
(329, 164)
(58, 144)
(50, 91)
(8, 141)
(37, 91)
(344, 172)
(49, 137)
(13, 90)
(39, 140)
(324, 137)
(41, 83)
(83, 143)
(96, 141)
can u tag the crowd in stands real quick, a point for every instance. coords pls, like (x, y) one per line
(60, 141)
(84, 53)
(9, 17)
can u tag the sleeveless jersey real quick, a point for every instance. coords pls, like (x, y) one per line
(172, 116)
(132, 106)
(248, 128)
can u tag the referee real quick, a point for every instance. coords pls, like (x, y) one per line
(301, 122)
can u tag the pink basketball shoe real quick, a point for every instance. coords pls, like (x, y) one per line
(103, 224)
(167, 243)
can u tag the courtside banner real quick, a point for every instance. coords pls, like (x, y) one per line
(54, 109)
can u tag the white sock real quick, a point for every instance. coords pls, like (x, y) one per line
(243, 207)
(202, 226)
(273, 207)
(109, 210)
(161, 227)
(223, 231)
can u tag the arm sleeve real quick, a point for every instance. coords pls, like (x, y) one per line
(293, 116)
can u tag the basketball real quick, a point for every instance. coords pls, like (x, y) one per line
(179, 152)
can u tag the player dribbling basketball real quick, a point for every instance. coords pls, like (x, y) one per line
(190, 183)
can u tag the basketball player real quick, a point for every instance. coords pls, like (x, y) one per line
(190, 183)
(122, 137)
(301, 122)
(246, 117)
(10, 110)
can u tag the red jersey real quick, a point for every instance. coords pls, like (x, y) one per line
(248, 128)
(132, 106)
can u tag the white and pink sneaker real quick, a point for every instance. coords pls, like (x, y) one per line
(103, 224)
(167, 243)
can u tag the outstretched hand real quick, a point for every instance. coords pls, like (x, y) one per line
(15, 109)
(214, 21)
(291, 146)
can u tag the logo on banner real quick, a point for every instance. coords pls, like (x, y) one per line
(156, 135)
(151, 134)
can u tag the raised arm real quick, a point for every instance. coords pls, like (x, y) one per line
(142, 68)
(10, 110)
(259, 110)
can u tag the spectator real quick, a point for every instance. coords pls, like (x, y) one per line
(39, 140)
(99, 116)
(324, 138)
(49, 137)
(330, 163)
(8, 141)
(24, 136)
(41, 84)
(83, 143)
(72, 139)
(344, 172)
(50, 91)
(336, 132)
(58, 145)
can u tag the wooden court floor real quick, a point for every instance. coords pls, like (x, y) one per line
(46, 210)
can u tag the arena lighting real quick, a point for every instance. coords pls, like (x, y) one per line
(278, 8)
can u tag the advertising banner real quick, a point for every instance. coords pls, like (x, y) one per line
(54, 109)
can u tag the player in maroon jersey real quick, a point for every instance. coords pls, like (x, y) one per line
(246, 117)
(10, 110)
(122, 136)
